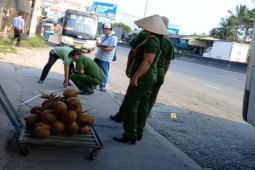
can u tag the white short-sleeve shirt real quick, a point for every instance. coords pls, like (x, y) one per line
(108, 41)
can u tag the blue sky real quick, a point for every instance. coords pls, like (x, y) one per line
(191, 16)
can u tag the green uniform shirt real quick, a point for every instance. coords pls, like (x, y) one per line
(63, 53)
(167, 52)
(138, 39)
(151, 45)
(168, 48)
(89, 67)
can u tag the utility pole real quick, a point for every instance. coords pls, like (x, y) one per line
(35, 14)
(145, 10)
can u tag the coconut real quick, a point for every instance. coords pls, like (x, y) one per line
(92, 120)
(58, 127)
(73, 103)
(59, 108)
(43, 125)
(32, 120)
(48, 116)
(69, 117)
(79, 110)
(85, 120)
(36, 110)
(47, 104)
(70, 93)
(72, 129)
(84, 130)
(41, 133)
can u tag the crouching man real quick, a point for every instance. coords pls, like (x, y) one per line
(88, 75)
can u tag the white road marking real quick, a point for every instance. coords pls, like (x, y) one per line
(227, 77)
(212, 86)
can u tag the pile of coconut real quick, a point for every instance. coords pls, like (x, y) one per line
(59, 115)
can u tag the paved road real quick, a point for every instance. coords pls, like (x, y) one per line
(208, 103)
(219, 79)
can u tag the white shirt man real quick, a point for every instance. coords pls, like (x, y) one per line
(106, 52)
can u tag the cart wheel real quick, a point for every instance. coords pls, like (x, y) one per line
(94, 153)
(24, 149)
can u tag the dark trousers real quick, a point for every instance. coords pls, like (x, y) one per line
(52, 59)
(17, 34)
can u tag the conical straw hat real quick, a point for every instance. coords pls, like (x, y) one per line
(153, 24)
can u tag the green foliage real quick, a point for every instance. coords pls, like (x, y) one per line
(126, 28)
(30, 43)
(33, 42)
(238, 26)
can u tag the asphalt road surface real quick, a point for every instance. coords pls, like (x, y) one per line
(208, 104)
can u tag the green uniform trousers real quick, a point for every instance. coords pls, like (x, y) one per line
(85, 82)
(154, 94)
(136, 107)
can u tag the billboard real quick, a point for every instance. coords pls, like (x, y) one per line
(105, 9)
(60, 6)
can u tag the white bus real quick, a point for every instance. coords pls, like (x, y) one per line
(79, 30)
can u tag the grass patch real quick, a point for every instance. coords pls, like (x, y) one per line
(7, 50)
(29, 43)
(33, 42)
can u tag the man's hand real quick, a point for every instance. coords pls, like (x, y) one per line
(134, 82)
(66, 84)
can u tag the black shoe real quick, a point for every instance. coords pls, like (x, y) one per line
(86, 92)
(123, 140)
(115, 119)
(139, 138)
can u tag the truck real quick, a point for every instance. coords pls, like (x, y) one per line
(79, 30)
(230, 51)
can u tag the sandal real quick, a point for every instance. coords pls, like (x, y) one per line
(40, 82)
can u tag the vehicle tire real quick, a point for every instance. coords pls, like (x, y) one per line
(89, 51)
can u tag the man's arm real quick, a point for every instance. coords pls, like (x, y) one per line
(167, 65)
(66, 71)
(106, 48)
(130, 60)
(144, 67)
(81, 72)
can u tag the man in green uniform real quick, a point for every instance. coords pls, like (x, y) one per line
(143, 73)
(89, 74)
(55, 54)
(163, 66)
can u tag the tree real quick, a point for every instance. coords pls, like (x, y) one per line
(248, 25)
(238, 26)
(224, 32)
(126, 28)
(237, 19)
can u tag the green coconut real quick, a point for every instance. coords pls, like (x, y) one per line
(69, 117)
(70, 93)
(58, 127)
(32, 120)
(72, 129)
(59, 108)
(73, 103)
(41, 133)
(48, 116)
